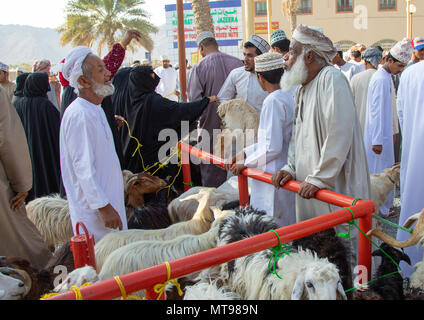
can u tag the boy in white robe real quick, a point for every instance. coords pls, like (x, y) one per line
(378, 133)
(270, 152)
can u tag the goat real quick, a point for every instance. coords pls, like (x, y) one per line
(10, 287)
(61, 257)
(37, 282)
(50, 214)
(327, 245)
(209, 290)
(238, 117)
(143, 254)
(149, 216)
(382, 184)
(304, 275)
(386, 287)
(181, 209)
(78, 278)
(200, 223)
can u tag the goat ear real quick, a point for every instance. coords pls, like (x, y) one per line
(298, 288)
(341, 295)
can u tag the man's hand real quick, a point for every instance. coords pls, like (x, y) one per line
(307, 190)
(18, 201)
(377, 149)
(228, 166)
(280, 178)
(110, 217)
(213, 99)
(237, 169)
(129, 36)
(119, 121)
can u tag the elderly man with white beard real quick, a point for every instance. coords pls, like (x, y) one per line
(326, 150)
(89, 164)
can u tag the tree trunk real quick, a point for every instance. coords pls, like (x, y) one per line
(293, 22)
(202, 16)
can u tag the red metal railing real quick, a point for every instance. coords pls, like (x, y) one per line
(147, 278)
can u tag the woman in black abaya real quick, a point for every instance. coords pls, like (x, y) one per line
(148, 113)
(41, 121)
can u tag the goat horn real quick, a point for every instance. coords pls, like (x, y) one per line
(414, 239)
(411, 220)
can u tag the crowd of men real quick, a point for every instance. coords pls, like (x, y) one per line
(324, 121)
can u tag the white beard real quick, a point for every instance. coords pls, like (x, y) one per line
(103, 90)
(296, 75)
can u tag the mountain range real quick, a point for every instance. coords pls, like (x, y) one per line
(25, 44)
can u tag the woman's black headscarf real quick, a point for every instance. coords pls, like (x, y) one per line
(121, 97)
(41, 121)
(148, 114)
(38, 86)
(20, 83)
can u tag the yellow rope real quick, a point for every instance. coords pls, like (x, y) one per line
(75, 289)
(160, 288)
(123, 292)
(175, 92)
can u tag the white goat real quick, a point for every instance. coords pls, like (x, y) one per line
(181, 209)
(50, 215)
(241, 122)
(209, 290)
(11, 288)
(143, 254)
(200, 223)
(78, 277)
(382, 184)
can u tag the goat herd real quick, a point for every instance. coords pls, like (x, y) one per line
(200, 219)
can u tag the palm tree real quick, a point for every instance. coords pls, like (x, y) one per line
(88, 21)
(202, 16)
(290, 8)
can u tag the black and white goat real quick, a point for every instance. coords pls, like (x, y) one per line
(304, 276)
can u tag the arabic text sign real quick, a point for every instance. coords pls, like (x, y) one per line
(226, 16)
(262, 27)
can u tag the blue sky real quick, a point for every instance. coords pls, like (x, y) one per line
(50, 13)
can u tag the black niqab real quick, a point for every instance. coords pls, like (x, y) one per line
(41, 122)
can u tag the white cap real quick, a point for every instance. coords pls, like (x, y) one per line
(259, 43)
(338, 47)
(164, 57)
(402, 51)
(269, 61)
(203, 36)
(4, 67)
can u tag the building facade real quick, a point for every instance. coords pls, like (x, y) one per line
(346, 22)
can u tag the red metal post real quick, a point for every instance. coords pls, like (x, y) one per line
(243, 191)
(364, 245)
(185, 160)
(181, 49)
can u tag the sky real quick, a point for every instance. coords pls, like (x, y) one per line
(50, 13)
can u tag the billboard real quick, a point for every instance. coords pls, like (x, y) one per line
(227, 19)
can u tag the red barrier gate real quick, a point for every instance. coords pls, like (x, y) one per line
(147, 278)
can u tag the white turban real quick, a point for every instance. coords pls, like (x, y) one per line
(316, 40)
(72, 67)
